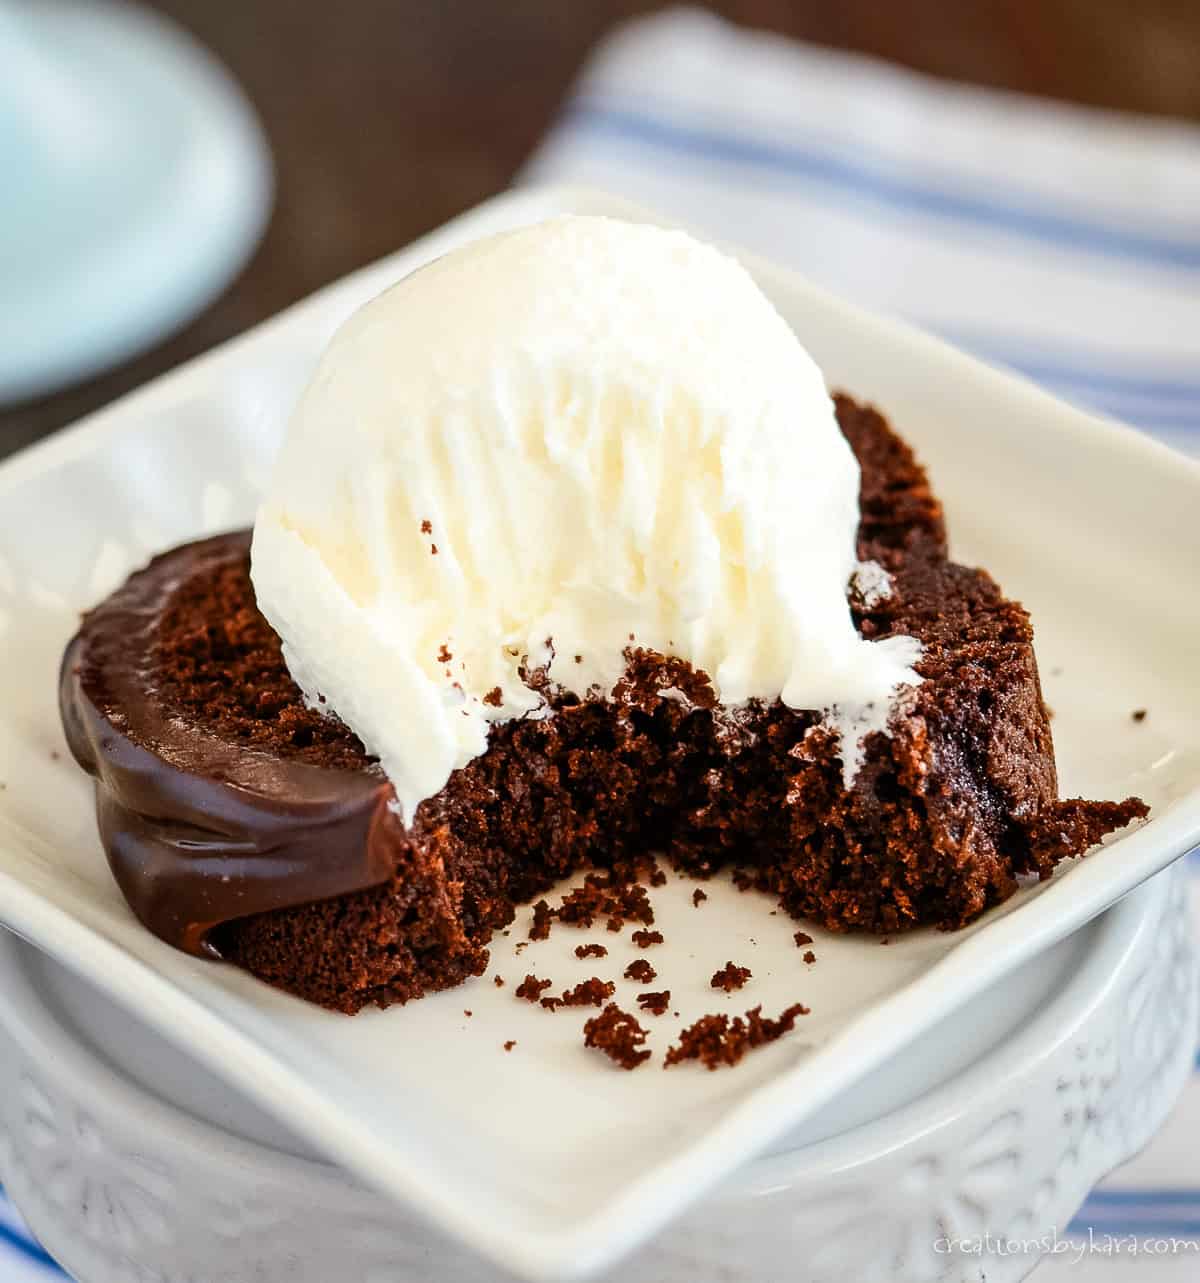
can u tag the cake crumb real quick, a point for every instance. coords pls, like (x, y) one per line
(1138, 714)
(444, 655)
(510, 1044)
(742, 880)
(499, 982)
(658, 877)
(590, 951)
(494, 697)
(604, 895)
(641, 971)
(802, 938)
(655, 1003)
(717, 1040)
(810, 957)
(590, 993)
(427, 527)
(644, 939)
(587, 993)
(542, 915)
(730, 977)
(698, 897)
(433, 549)
(531, 988)
(467, 1013)
(618, 1035)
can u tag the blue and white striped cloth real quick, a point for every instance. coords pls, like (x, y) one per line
(22, 1258)
(1062, 242)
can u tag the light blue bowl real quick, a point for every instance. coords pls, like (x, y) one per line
(136, 181)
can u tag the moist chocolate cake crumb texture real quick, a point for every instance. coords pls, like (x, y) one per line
(641, 971)
(590, 951)
(606, 895)
(218, 665)
(179, 670)
(531, 988)
(542, 918)
(730, 977)
(802, 938)
(644, 939)
(718, 1041)
(618, 1035)
(655, 1003)
(587, 993)
(698, 897)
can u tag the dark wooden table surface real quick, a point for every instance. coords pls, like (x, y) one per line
(388, 116)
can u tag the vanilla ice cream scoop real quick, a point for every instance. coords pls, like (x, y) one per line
(540, 450)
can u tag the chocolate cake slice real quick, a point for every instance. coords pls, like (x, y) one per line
(240, 823)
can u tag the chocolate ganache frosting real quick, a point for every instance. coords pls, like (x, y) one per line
(200, 830)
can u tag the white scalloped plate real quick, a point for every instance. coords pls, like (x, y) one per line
(546, 1158)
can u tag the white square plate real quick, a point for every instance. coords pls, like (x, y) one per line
(546, 1158)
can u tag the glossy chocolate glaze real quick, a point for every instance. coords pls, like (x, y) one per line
(199, 831)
